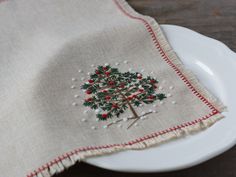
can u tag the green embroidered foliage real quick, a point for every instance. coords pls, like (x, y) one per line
(113, 92)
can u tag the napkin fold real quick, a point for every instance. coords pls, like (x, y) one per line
(86, 78)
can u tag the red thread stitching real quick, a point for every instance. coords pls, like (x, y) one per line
(130, 143)
(165, 57)
(153, 135)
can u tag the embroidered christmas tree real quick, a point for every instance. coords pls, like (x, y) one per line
(110, 92)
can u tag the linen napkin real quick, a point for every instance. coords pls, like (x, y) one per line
(86, 78)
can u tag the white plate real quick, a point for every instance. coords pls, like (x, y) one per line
(215, 66)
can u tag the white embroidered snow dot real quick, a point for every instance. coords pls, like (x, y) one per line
(125, 119)
(80, 71)
(106, 64)
(97, 111)
(74, 104)
(160, 88)
(154, 105)
(125, 62)
(130, 69)
(84, 120)
(92, 65)
(119, 125)
(117, 63)
(86, 111)
(171, 87)
(143, 113)
(72, 87)
(82, 78)
(161, 102)
(88, 73)
(151, 72)
(168, 95)
(173, 102)
(150, 110)
(93, 127)
(142, 117)
(76, 96)
(73, 79)
(114, 121)
(104, 126)
(154, 111)
(97, 119)
(142, 70)
(135, 124)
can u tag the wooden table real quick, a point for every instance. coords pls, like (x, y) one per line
(213, 18)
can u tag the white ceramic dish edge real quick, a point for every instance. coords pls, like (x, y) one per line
(105, 162)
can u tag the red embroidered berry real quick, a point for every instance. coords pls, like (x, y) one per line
(153, 81)
(151, 97)
(89, 99)
(107, 73)
(130, 98)
(122, 85)
(141, 90)
(111, 82)
(104, 91)
(108, 97)
(114, 105)
(90, 81)
(139, 76)
(88, 91)
(154, 86)
(97, 72)
(105, 68)
(134, 96)
(104, 116)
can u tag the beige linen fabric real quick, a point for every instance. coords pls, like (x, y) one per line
(43, 46)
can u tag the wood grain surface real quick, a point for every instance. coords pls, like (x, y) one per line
(213, 18)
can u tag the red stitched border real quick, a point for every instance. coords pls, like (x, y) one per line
(155, 134)
(130, 143)
(165, 57)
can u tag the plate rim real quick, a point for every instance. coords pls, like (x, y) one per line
(193, 163)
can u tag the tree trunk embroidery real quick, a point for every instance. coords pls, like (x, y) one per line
(111, 92)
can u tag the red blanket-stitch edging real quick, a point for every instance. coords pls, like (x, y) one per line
(165, 57)
(130, 143)
(147, 137)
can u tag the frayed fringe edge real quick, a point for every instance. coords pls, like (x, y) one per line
(172, 56)
(61, 163)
